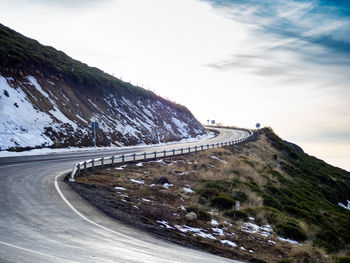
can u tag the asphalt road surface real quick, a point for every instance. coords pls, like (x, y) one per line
(43, 220)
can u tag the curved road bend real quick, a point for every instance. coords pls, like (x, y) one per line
(43, 220)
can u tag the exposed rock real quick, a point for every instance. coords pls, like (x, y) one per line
(191, 216)
(161, 180)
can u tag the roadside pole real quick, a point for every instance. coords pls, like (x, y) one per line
(257, 127)
(94, 127)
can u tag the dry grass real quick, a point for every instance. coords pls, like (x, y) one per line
(221, 168)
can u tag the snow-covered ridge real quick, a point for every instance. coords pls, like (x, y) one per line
(40, 112)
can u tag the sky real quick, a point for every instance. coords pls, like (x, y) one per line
(284, 64)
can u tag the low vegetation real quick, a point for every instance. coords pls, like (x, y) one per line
(288, 201)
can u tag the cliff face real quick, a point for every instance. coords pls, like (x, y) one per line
(49, 99)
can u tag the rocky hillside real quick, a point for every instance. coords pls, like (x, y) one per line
(48, 99)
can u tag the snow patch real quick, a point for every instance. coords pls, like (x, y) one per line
(165, 223)
(289, 241)
(120, 188)
(20, 125)
(228, 242)
(213, 222)
(255, 229)
(218, 159)
(137, 181)
(218, 231)
(346, 207)
(188, 190)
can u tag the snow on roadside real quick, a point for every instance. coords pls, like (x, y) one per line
(44, 151)
(195, 231)
(120, 188)
(228, 242)
(164, 223)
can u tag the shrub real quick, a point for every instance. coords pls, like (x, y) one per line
(208, 193)
(286, 260)
(223, 202)
(271, 201)
(291, 229)
(240, 196)
(328, 239)
(236, 215)
(219, 185)
(203, 215)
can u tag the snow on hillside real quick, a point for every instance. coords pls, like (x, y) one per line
(36, 112)
(20, 123)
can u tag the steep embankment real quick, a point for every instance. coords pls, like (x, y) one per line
(291, 204)
(50, 99)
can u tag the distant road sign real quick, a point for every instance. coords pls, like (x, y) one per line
(257, 125)
(213, 122)
(94, 126)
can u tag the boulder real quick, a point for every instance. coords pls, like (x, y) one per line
(191, 216)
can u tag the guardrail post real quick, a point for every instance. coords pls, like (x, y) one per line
(189, 149)
(173, 151)
(123, 158)
(78, 169)
(201, 147)
(164, 152)
(102, 161)
(155, 154)
(71, 179)
(207, 146)
(213, 145)
(112, 160)
(145, 154)
(85, 167)
(195, 148)
(182, 150)
(93, 164)
(134, 156)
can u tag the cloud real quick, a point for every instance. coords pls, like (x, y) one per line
(288, 36)
(60, 3)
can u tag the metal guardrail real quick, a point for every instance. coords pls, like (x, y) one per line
(83, 167)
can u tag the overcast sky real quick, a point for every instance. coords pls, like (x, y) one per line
(285, 64)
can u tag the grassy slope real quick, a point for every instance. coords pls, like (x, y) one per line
(308, 192)
(20, 52)
(297, 190)
(275, 182)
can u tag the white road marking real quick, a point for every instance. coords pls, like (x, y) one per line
(81, 215)
(33, 251)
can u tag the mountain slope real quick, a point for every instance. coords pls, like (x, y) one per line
(50, 99)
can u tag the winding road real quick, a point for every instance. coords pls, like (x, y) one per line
(43, 220)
